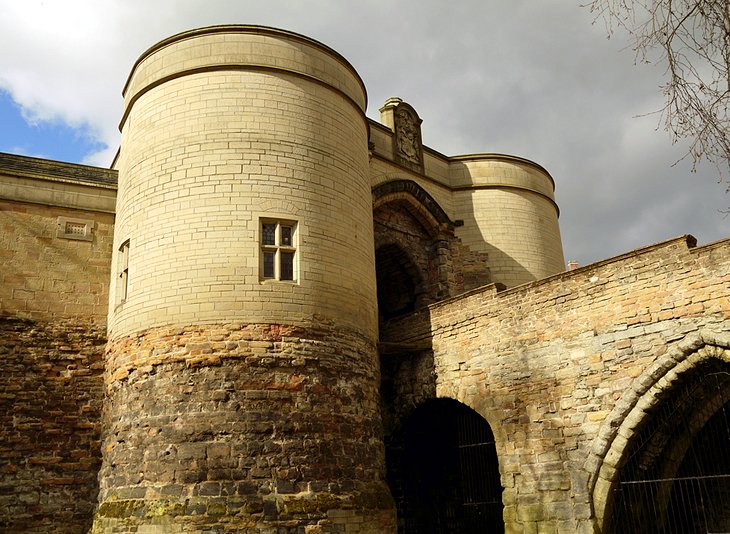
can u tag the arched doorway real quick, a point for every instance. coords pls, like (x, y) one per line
(674, 476)
(447, 480)
(417, 254)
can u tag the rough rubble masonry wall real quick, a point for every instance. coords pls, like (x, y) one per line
(53, 293)
(556, 365)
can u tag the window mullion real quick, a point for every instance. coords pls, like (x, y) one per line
(278, 244)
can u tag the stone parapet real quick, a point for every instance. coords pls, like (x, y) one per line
(246, 47)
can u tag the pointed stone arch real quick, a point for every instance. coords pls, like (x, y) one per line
(413, 233)
(417, 200)
(619, 433)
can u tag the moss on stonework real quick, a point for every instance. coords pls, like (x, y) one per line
(317, 504)
(145, 508)
(233, 510)
(321, 503)
(120, 509)
(217, 509)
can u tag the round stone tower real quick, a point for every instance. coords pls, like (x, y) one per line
(508, 207)
(242, 374)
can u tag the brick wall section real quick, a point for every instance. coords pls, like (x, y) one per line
(243, 426)
(47, 277)
(548, 362)
(51, 388)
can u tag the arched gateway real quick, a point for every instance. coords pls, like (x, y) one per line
(447, 478)
(673, 472)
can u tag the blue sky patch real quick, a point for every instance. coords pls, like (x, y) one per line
(47, 139)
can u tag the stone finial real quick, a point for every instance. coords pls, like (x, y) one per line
(387, 112)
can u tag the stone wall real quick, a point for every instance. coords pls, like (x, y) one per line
(557, 366)
(411, 252)
(505, 207)
(243, 427)
(46, 275)
(237, 398)
(50, 417)
(508, 208)
(250, 124)
(55, 249)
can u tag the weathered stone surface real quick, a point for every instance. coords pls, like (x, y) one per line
(46, 277)
(51, 386)
(294, 437)
(555, 366)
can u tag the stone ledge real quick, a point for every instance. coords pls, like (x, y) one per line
(26, 166)
(52, 183)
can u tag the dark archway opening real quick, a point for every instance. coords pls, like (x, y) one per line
(676, 474)
(447, 476)
(399, 281)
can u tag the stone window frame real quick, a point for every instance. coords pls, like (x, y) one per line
(75, 229)
(278, 250)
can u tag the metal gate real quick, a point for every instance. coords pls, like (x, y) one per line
(677, 476)
(451, 474)
(696, 504)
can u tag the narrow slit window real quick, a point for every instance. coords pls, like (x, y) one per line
(123, 278)
(278, 250)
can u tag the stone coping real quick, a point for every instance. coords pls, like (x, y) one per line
(30, 167)
(54, 183)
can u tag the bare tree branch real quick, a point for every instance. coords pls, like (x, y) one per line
(692, 37)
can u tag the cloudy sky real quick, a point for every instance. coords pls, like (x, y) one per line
(533, 78)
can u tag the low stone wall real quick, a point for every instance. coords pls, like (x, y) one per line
(556, 365)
